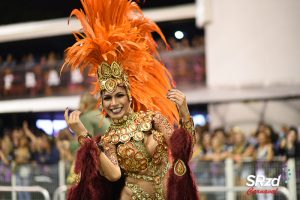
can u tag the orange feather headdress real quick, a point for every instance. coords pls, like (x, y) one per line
(116, 33)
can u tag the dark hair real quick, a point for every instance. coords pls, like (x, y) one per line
(292, 128)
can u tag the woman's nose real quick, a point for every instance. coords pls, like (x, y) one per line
(113, 101)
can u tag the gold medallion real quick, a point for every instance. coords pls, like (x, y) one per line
(124, 138)
(179, 168)
(138, 136)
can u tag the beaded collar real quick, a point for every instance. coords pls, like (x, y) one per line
(123, 119)
(133, 127)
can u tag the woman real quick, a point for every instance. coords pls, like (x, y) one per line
(136, 94)
(150, 144)
(289, 147)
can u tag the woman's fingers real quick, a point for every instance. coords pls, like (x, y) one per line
(66, 115)
(73, 121)
(74, 117)
(179, 99)
(175, 91)
(175, 100)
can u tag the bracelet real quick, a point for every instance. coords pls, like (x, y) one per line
(189, 126)
(100, 146)
(82, 137)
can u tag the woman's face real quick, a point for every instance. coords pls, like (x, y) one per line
(116, 104)
(262, 138)
(238, 138)
(291, 136)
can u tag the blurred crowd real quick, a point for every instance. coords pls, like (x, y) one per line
(262, 152)
(30, 152)
(33, 75)
(29, 146)
(32, 145)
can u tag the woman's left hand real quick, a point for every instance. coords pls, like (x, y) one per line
(179, 99)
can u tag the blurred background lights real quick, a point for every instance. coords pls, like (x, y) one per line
(51, 126)
(179, 35)
(59, 124)
(199, 119)
(46, 125)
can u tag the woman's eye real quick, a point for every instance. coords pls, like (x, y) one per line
(106, 98)
(120, 95)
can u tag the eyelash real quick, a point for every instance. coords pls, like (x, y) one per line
(120, 95)
(109, 97)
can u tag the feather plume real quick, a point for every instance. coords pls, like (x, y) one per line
(117, 30)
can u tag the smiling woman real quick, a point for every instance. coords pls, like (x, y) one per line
(117, 103)
(137, 94)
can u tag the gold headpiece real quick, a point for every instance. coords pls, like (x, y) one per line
(110, 76)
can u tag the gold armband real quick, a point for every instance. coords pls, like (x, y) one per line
(188, 125)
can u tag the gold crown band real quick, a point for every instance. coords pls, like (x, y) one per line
(110, 76)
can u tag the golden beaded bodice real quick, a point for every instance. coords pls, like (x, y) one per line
(126, 144)
(128, 137)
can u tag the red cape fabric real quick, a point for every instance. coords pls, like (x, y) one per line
(181, 187)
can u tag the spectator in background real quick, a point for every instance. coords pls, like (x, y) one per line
(10, 62)
(22, 158)
(8, 81)
(241, 148)
(217, 166)
(264, 150)
(29, 62)
(6, 148)
(264, 154)
(45, 150)
(38, 71)
(6, 156)
(91, 117)
(242, 151)
(76, 81)
(268, 129)
(206, 144)
(52, 60)
(30, 82)
(63, 143)
(290, 147)
(222, 135)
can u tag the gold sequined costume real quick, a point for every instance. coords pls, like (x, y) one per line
(124, 144)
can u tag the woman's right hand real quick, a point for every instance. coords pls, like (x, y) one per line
(74, 122)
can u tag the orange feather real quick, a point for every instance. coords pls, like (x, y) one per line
(117, 30)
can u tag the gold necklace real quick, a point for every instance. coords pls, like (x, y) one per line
(132, 126)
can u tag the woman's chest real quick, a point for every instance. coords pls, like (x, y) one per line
(141, 155)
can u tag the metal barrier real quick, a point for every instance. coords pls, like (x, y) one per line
(60, 190)
(224, 179)
(39, 189)
(217, 189)
(213, 179)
